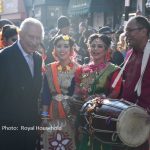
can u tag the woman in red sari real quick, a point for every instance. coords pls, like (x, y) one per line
(96, 78)
(56, 91)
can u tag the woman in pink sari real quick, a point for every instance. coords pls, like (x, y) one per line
(96, 78)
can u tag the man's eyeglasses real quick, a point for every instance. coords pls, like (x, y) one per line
(133, 29)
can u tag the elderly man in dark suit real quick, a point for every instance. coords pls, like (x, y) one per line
(20, 84)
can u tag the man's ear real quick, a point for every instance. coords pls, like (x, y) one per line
(20, 33)
(144, 30)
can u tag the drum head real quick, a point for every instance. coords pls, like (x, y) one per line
(132, 127)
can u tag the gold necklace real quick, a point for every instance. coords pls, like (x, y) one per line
(66, 68)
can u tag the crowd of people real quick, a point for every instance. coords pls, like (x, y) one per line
(43, 90)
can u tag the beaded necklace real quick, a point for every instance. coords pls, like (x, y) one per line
(65, 75)
(66, 68)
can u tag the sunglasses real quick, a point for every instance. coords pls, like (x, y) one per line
(133, 29)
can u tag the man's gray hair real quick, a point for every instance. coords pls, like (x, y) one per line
(31, 21)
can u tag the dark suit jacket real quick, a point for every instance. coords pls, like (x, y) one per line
(19, 91)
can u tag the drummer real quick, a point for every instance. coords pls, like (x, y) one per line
(95, 78)
(136, 87)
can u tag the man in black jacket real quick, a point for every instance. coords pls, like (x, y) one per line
(20, 84)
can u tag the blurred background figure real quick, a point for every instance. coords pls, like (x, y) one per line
(63, 26)
(9, 35)
(118, 32)
(83, 51)
(122, 45)
(2, 23)
(52, 33)
(82, 27)
(83, 56)
(81, 40)
(113, 55)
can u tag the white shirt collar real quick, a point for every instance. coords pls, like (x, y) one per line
(25, 54)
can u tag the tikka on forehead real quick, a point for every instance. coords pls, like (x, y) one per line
(98, 40)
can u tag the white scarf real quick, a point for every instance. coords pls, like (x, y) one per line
(121, 72)
(143, 67)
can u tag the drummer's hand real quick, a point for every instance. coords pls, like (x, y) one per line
(102, 96)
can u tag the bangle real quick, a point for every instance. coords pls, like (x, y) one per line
(44, 113)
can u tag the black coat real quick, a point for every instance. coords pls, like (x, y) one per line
(19, 91)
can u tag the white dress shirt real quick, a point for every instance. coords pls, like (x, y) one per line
(28, 57)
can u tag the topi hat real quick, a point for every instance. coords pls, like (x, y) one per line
(62, 22)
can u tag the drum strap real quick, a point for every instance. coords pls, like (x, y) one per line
(143, 67)
(121, 71)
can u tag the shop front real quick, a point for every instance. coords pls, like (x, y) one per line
(13, 10)
(97, 12)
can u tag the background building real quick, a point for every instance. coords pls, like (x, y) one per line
(13, 9)
(96, 12)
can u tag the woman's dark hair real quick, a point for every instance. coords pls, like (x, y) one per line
(9, 31)
(5, 22)
(103, 37)
(64, 37)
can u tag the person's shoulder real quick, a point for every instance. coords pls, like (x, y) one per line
(7, 51)
(113, 69)
(52, 64)
(53, 38)
(6, 55)
(114, 66)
